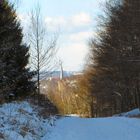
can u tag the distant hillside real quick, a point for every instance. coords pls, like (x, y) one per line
(56, 74)
(65, 73)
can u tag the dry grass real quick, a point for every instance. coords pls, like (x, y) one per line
(2, 136)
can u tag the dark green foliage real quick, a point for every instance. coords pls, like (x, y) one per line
(15, 78)
(115, 59)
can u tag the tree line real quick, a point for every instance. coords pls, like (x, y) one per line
(113, 72)
(15, 76)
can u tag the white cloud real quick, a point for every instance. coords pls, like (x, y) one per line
(73, 55)
(73, 52)
(53, 23)
(73, 22)
(81, 19)
(81, 36)
(24, 19)
(74, 49)
(67, 23)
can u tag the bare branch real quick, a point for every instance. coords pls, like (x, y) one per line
(42, 51)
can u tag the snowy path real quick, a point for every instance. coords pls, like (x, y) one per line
(20, 121)
(113, 128)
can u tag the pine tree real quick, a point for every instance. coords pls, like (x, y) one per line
(15, 77)
(115, 58)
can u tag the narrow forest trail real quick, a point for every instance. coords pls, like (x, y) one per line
(112, 128)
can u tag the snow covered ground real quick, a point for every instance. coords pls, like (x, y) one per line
(132, 113)
(20, 121)
(113, 128)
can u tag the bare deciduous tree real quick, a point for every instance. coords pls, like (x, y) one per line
(43, 49)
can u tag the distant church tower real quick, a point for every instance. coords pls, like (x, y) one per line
(61, 70)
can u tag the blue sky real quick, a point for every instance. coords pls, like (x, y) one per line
(76, 21)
